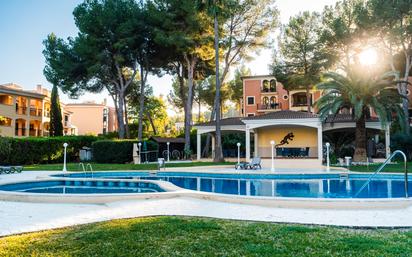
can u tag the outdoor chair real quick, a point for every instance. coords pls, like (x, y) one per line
(255, 163)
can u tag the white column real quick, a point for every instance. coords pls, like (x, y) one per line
(247, 144)
(198, 146)
(256, 150)
(320, 146)
(213, 146)
(388, 141)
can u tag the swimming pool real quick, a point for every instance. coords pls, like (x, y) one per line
(272, 185)
(82, 187)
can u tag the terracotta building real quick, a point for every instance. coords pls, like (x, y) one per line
(27, 112)
(93, 118)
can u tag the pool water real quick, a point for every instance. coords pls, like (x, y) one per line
(279, 185)
(82, 187)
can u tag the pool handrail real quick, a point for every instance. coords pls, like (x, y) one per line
(91, 169)
(383, 166)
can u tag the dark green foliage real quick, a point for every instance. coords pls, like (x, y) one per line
(56, 124)
(402, 142)
(116, 151)
(32, 150)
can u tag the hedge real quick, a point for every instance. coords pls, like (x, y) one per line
(116, 151)
(402, 142)
(35, 150)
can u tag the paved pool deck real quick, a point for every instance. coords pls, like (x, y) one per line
(20, 217)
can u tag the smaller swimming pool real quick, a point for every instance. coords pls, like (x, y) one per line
(82, 187)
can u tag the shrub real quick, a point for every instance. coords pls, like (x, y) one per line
(117, 151)
(403, 143)
(34, 150)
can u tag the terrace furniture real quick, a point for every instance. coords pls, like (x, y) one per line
(253, 164)
(11, 169)
(241, 166)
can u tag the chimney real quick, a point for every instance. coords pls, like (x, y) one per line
(105, 102)
(38, 89)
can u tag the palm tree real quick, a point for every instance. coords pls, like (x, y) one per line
(362, 93)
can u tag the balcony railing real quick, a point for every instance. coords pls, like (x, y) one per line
(21, 110)
(299, 104)
(35, 112)
(273, 106)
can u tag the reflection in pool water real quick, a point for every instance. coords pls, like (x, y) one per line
(275, 185)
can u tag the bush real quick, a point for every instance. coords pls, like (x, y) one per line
(117, 151)
(35, 150)
(403, 143)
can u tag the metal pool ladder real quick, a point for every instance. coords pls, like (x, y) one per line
(91, 169)
(85, 168)
(383, 166)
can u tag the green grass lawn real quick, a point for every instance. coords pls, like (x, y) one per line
(100, 166)
(398, 167)
(172, 236)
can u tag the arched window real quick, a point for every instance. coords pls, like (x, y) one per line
(265, 101)
(273, 85)
(273, 103)
(265, 86)
(5, 121)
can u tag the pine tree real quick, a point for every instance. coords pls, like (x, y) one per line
(56, 125)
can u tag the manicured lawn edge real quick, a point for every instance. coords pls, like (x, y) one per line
(108, 167)
(188, 236)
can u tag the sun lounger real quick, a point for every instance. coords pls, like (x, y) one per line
(11, 169)
(253, 164)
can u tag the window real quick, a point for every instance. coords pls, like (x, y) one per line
(4, 121)
(6, 99)
(285, 97)
(265, 86)
(250, 100)
(265, 100)
(273, 85)
(408, 92)
(299, 99)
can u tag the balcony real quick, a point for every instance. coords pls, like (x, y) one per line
(67, 124)
(269, 107)
(36, 112)
(20, 132)
(21, 110)
(35, 132)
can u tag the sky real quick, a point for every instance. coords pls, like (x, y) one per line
(24, 24)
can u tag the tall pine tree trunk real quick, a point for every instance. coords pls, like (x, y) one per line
(206, 148)
(120, 113)
(191, 62)
(141, 103)
(126, 118)
(218, 141)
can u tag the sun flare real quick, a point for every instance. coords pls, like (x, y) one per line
(368, 57)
